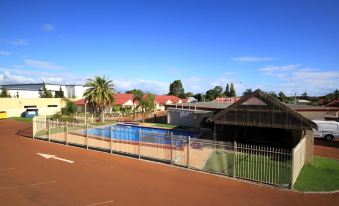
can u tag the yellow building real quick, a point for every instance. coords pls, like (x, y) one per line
(15, 107)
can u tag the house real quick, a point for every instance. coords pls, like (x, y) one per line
(126, 101)
(32, 90)
(334, 103)
(162, 100)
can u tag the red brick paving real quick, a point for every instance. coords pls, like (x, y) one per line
(102, 179)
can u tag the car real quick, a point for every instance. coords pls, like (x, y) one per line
(328, 130)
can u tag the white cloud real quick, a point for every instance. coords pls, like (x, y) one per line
(124, 84)
(48, 27)
(41, 64)
(247, 59)
(295, 78)
(5, 53)
(18, 42)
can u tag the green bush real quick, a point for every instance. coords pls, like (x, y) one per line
(70, 109)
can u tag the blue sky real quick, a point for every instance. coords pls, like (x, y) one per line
(289, 46)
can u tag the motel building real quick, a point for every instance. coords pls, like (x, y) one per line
(126, 101)
(32, 90)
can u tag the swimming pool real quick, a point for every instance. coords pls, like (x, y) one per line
(144, 134)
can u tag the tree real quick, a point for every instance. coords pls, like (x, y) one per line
(147, 104)
(138, 95)
(227, 90)
(218, 90)
(189, 94)
(247, 92)
(232, 91)
(198, 97)
(100, 94)
(44, 93)
(282, 97)
(134, 91)
(70, 108)
(59, 94)
(272, 93)
(304, 96)
(177, 89)
(4, 93)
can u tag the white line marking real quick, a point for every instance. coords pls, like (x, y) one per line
(100, 203)
(48, 156)
(32, 184)
(4, 169)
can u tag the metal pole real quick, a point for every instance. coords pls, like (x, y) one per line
(188, 151)
(139, 142)
(234, 159)
(67, 133)
(171, 137)
(85, 112)
(86, 136)
(111, 145)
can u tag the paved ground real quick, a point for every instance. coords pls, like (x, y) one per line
(326, 148)
(97, 178)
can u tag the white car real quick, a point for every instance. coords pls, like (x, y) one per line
(326, 129)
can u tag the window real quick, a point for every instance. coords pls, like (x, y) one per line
(30, 106)
(52, 105)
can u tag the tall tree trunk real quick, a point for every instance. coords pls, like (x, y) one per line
(102, 116)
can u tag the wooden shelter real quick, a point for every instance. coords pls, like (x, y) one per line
(259, 118)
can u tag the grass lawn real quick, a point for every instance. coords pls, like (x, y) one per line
(168, 126)
(253, 167)
(322, 175)
(21, 119)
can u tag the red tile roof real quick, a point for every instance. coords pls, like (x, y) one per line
(334, 103)
(120, 99)
(162, 99)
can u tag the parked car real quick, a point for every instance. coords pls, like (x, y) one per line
(326, 129)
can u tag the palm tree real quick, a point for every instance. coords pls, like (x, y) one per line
(100, 94)
(138, 95)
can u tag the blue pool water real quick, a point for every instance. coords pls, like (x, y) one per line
(145, 134)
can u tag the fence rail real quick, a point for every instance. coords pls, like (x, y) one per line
(251, 162)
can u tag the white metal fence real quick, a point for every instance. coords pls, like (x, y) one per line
(256, 163)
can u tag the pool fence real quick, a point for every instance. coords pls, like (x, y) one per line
(263, 164)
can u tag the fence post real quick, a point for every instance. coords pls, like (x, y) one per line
(34, 126)
(110, 135)
(235, 159)
(86, 136)
(67, 133)
(48, 130)
(188, 151)
(292, 168)
(171, 137)
(139, 143)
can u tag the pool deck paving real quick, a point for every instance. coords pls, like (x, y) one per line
(98, 178)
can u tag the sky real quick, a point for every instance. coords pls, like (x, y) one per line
(288, 45)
